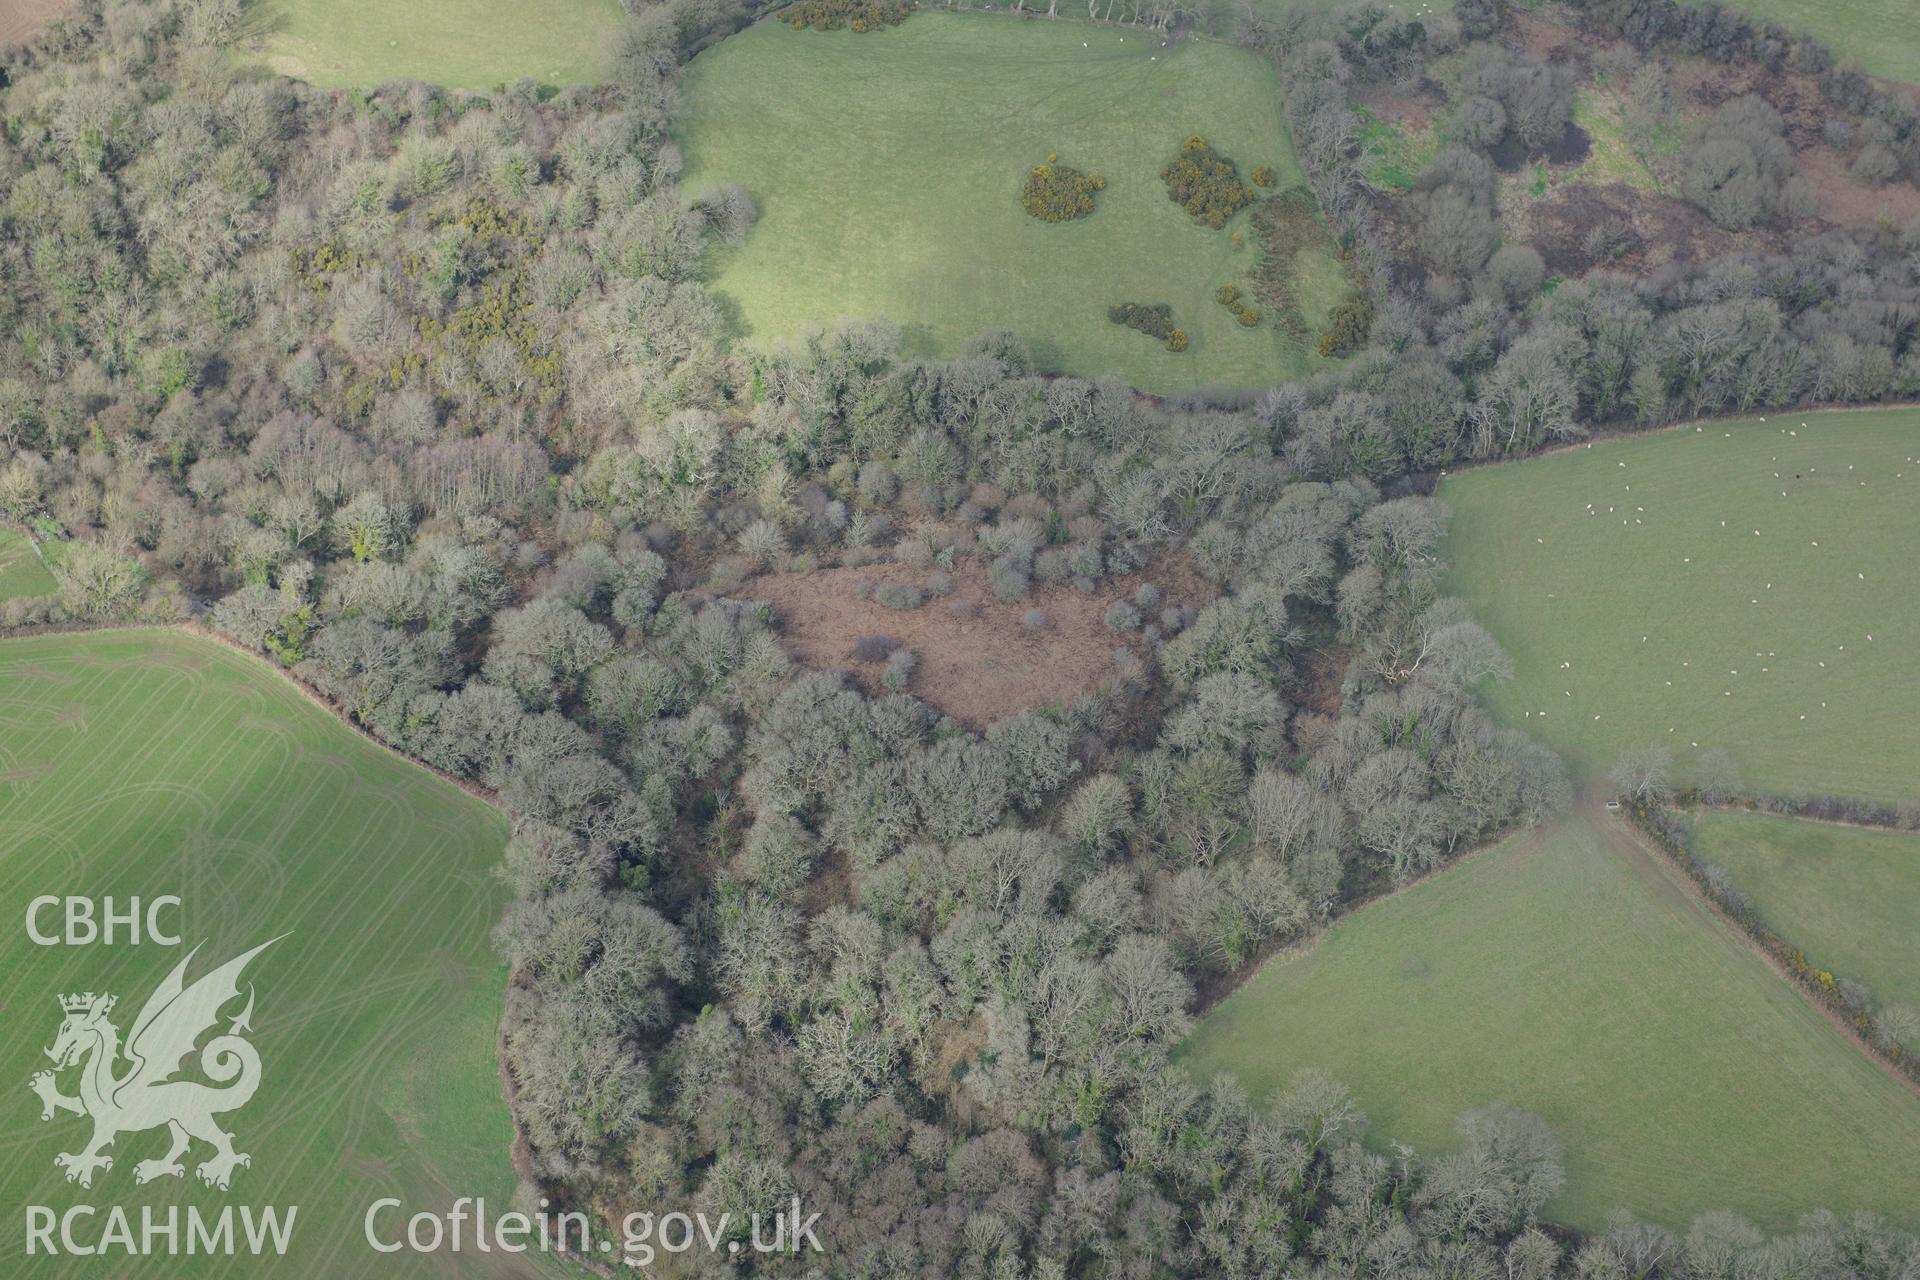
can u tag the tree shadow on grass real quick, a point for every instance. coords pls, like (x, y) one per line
(260, 19)
(739, 328)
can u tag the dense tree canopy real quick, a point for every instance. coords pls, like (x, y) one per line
(421, 394)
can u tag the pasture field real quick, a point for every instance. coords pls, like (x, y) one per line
(887, 169)
(1747, 586)
(152, 762)
(1847, 896)
(1880, 37)
(461, 44)
(22, 573)
(1567, 972)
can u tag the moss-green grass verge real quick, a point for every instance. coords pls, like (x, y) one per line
(1392, 155)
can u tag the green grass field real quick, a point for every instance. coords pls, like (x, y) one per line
(1566, 972)
(1881, 37)
(153, 762)
(22, 573)
(1746, 586)
(461, 44)
(1847, 896)
(887, 169)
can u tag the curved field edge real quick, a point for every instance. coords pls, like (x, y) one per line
(1847, 896)
(1730, 585)
(1569, 973)
(914, 216)
(154, 761)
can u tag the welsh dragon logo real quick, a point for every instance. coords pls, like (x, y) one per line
(144, 1095)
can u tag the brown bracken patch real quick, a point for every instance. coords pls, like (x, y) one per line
(1802, 105)
(1320, 677)
(979, 664)
(20, 19)
(1547, 41)
(1659, 230)
(1412, 111)
(1845, 202)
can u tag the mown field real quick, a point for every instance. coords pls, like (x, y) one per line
(1566, 972)
(887, 169)
(462, 44)
(22, 573)
(1847, 896)
(1745, 586)
(152, 762)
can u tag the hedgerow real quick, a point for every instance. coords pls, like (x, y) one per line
(1155, 320)
(1055, 192)
(1205, 183)
(1891, 1037)
(855, 15)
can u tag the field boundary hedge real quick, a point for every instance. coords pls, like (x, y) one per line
(1839, 811)
(201, 631)
(1668, 832)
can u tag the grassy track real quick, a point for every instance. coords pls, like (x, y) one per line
(462, 44)
(1567, 973)
(887, 168)
(1848, 897)
(1745, 586)
(151, 762)
(21, 571)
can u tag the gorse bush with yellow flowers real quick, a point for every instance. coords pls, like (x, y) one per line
(1055, 192)
(854, 15)
(1153, 319)
(1205, 183)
